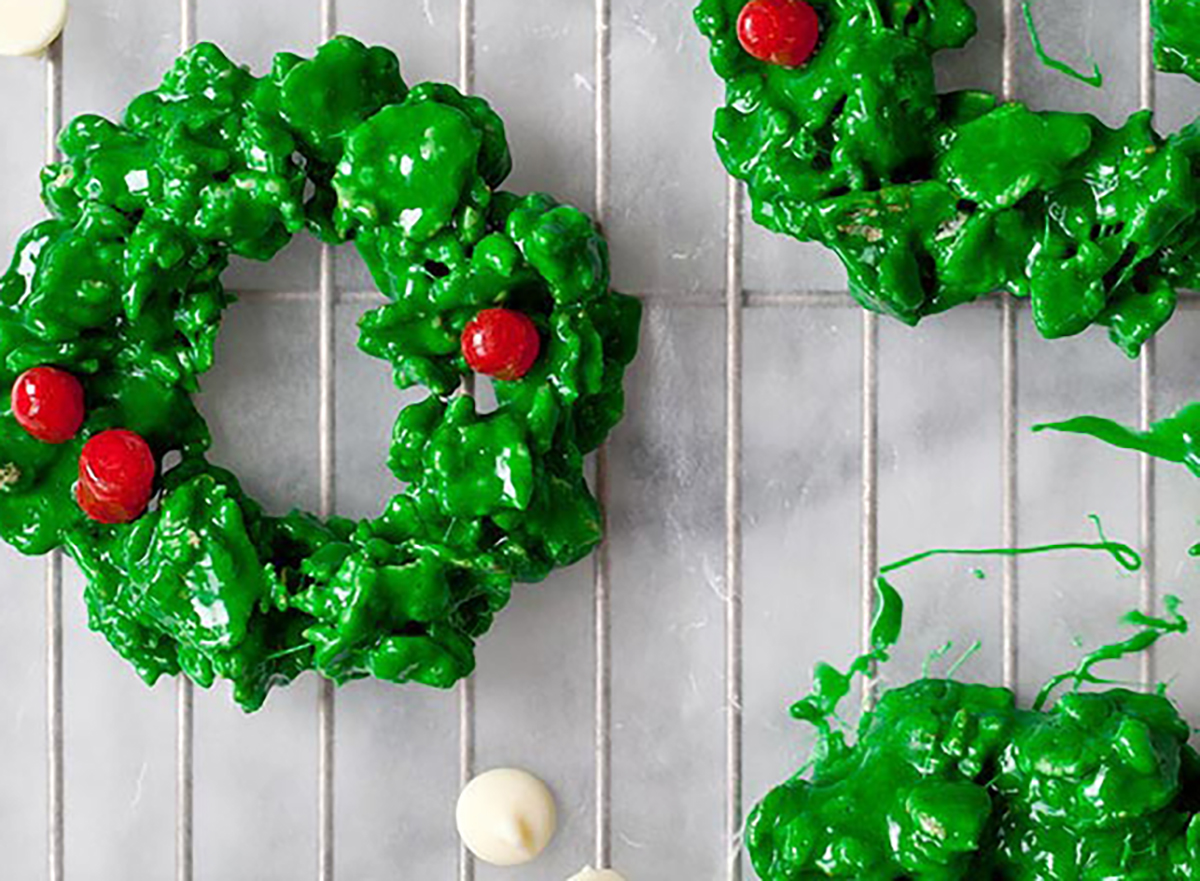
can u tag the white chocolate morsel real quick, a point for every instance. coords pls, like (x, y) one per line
(590, 874)
(27, 27)
(506, 817)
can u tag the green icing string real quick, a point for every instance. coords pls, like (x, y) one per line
(1152, 630)
(952, 781)
(934, 656)
(1123, 554)
(972, 650)
(1173, 439)
(1096, 80)
(939, 653)
(830, 685)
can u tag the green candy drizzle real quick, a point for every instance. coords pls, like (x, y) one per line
(947, 780)
(932, 200)
(1174, 439)
(122, 288)
(830, 685)
(1152, 630)
(1096, 80)
(1125, 556)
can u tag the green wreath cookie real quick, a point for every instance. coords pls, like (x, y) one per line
(109, 313)
(834, 121)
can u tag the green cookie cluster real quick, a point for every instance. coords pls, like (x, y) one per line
(122, 288)
(951, 781)
(934, 199)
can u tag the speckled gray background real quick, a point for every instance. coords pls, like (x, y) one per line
(397, 751)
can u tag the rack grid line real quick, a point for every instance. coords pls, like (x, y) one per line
(466, 762)
(327, 428)
(1147, 370)
(54, 717)
(466, 46)
(869, 512)
(55, 760)
(185, 696)
(797, 298)
(602, 581)
(466, 689)
(185, 779)
(1009, 385)
(734, 653)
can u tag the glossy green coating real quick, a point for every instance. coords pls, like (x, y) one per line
(1177, 36)
(122, 288)
(947, 780)
(932, 200)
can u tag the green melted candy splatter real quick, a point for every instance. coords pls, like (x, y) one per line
(948, 780)
(122, 288)
(1095, 79)
(932, 200)
(1174, 439)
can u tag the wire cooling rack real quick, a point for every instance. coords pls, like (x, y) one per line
(778, 442)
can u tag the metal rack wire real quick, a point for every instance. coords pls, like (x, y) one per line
(1146, 374)
(55, 783)
(1009, 608)
(734, 299)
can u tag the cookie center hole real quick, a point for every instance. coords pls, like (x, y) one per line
(261, 401)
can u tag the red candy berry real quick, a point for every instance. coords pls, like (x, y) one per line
(48, 403)
(116, 476)
(783, 32)
(501, 343)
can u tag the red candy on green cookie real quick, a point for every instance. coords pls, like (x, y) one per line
(501, 343)
(116, 476)
(783, 32)
(48, 404)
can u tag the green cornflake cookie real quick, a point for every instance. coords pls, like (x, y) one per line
(934, 199)
(955, 781)
(110, 311)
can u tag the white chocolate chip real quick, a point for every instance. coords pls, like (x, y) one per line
(27, 27)
(590, 874)
(506, 817)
